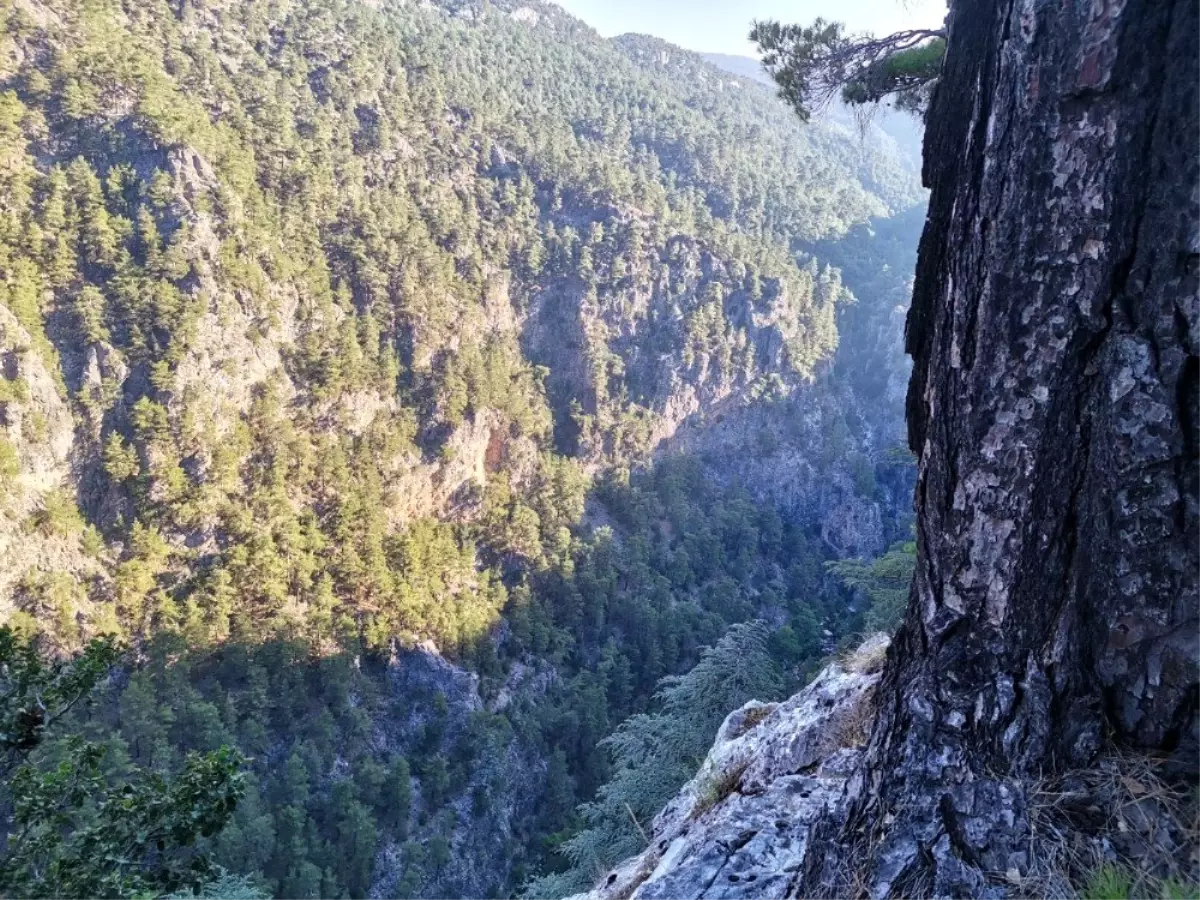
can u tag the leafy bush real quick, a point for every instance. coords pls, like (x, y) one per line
(73, 832)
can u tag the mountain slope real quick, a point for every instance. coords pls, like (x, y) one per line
(743, 66)
(330, 332)
(242, 220)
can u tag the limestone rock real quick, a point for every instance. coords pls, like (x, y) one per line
(742, 826)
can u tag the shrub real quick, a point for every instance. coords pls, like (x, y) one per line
(10, 463)
(58, 515)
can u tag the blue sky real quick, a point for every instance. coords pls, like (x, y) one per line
(720, 26)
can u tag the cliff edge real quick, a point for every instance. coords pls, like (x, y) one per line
(742, 826)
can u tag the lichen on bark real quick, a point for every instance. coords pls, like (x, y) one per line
(1054, 332)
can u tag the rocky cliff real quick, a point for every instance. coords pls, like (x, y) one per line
(742, 827)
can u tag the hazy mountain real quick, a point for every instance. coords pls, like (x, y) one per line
(902, 128)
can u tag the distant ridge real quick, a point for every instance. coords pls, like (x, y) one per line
(745, 66)
(905, 130)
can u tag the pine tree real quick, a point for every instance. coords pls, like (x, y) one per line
(655, 753)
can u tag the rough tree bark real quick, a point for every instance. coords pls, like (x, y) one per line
(1053, 409)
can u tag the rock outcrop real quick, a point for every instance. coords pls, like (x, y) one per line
(486, 843)
(36, 423)
(742, 826)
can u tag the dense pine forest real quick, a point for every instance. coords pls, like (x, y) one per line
(429, 402)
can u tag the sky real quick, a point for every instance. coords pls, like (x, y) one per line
(721, 26)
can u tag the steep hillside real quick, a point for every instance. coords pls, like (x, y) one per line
(339, 339)
(250, 205)
(743, 66)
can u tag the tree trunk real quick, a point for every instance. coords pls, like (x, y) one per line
(1053, 408)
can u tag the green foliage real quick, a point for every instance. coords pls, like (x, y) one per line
(791, 53)
(655, 753)
(120, 460)
(12, 391)
(1109, 883)
(814, 64)
(10, 462)
(54, 600)
(918, 64)
(57, 516)
(680, 537)
(223, 887)
(904, 73)
(885, 581)
(78, 837)
(71, 831)
(321, 795)
(1115, 882)
(37, 693)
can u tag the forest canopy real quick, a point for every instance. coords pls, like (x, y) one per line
(341, 351)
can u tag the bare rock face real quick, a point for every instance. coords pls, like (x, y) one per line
(235, 346)
(781, 453)
(643, 333)
(39, 421)
(37, 424)
(742, 826)
(482, 844)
